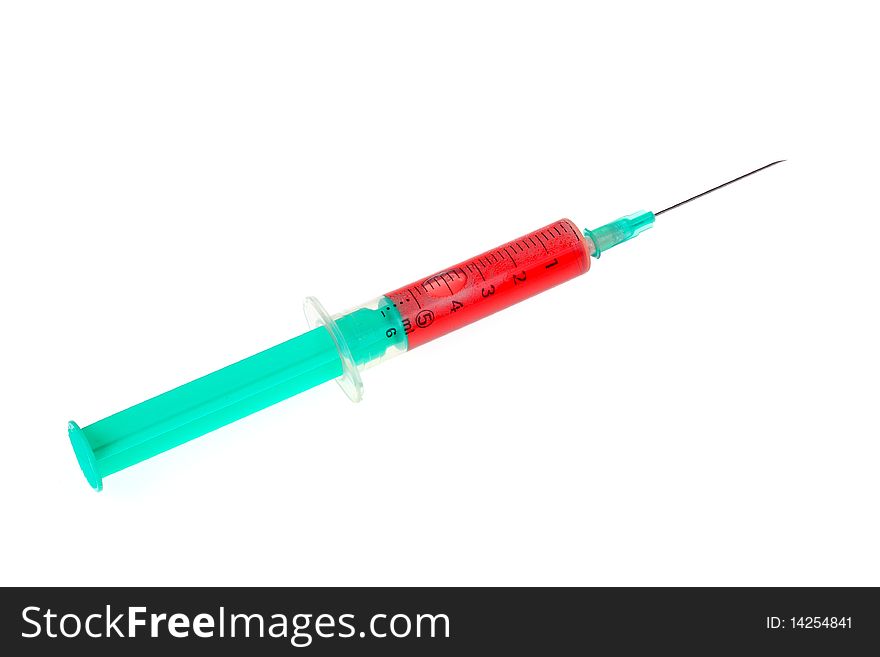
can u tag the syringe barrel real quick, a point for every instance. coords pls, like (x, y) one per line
(491, 281)
(449, 299)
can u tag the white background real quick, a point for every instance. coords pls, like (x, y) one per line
(701, 408)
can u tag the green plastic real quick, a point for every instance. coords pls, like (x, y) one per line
(619, 231)
(369, 334)
(179, 415)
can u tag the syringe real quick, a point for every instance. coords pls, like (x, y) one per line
(340, 346)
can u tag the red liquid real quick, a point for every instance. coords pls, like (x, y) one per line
(491, 281)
